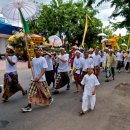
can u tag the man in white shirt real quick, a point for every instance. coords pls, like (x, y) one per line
(97, 63)
(11, 83)
(87, 61)
(78, 60)
(89, 82)
(38, 93)
(119, 56)
(62, 78)
(49, 71)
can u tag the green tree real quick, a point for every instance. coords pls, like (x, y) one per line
(122, 8)
(69, 18)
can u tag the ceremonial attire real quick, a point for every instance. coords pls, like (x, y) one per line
(38, 93)
(62, 78)
(11, 83)
(78, 68)
(119, 56)
(49, 71)
(97, 62)
(89, 100)
(85, 63)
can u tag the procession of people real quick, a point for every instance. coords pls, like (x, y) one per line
(52, 69)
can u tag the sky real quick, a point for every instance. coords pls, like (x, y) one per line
(105, 12)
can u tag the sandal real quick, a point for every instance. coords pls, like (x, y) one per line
(81, 113)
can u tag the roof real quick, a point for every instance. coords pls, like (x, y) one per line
(7, 28)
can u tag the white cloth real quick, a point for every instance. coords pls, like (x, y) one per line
(89, 82)
(38, 65)
(49, 63)
(78, 64)
(86, 63)
(69, 66)
(97, 60)
(63, 66)
(10, 68)
(89, 100)
(119, 56)
(128, 59)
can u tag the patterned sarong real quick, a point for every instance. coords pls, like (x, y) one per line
(78, 78)
(61, 80)
(38, 93)
(11, 85)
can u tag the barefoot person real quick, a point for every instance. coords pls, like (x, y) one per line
(11, 83)
(89, 82)
(38, 93)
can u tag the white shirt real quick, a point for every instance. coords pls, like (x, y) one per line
(89, 82)
(10, 68)
(63, 66)
(97, 60)
(119, 56)
(49, 63)
(38, 64)
(128, 59)
(69, 67)
(78, 64)
(86, 62)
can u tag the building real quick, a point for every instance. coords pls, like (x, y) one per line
(6, 30)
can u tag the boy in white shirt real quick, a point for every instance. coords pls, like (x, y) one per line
(90, 82)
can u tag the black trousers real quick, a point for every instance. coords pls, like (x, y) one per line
(127, 66)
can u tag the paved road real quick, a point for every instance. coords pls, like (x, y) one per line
(63, 113)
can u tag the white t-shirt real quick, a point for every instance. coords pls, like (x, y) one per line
(49, 63)
(89, 82)
(128, 59)
(78, 64)
(86, 62)
(10, 68)
(119, 56)
(63, 66)
(97, 60)
(38, 64)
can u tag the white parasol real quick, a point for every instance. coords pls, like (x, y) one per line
(104, 40)
(28, 9)
(102, 35)
(55, 41)
(21, 10)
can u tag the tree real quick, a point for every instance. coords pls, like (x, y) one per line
(122, 8)
(69, 18)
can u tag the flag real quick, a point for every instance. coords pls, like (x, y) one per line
(25, 24)
(128, 44)
(85, 31)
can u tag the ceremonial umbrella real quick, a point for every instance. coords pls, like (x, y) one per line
(104, 40)
(102, 35)
(55, 41)
(21, 10)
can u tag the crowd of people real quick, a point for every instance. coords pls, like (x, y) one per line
(49, 67)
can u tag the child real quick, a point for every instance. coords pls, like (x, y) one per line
(90, 82)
